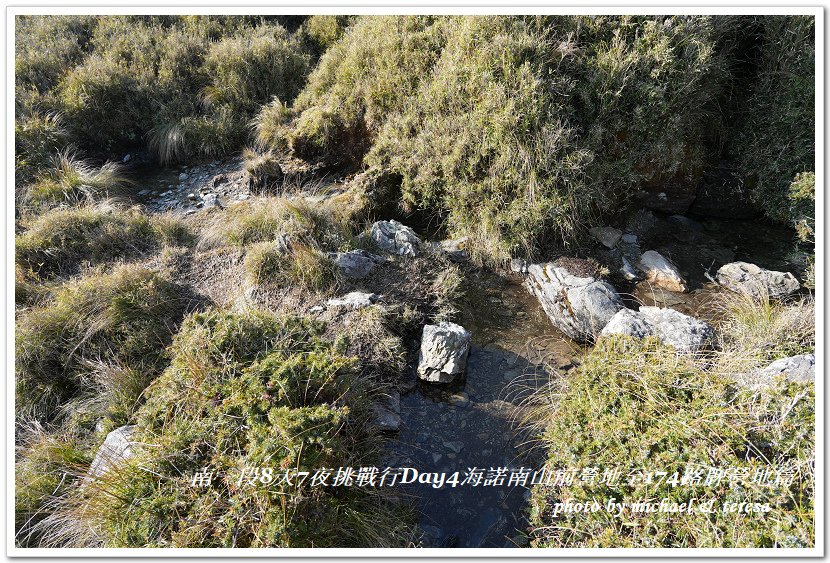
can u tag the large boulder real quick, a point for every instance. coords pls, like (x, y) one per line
(755, 282)
(661, 273)
(444, 351)
(117, 448)
(687, 334)
(355, 264)
(578, 306)
(397, 238)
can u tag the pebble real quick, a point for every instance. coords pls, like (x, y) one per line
(460, 399)
(182, 177)
(456, 446)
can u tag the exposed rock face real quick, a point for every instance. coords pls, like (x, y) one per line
(354, 300)
(355, 264)
(444, 351)
(394, 237)
(801, 368)
(117, 447)
(755, 282)
(608, 236)
(387, 412)
(687, 334)
(661, 273)
(579, 307)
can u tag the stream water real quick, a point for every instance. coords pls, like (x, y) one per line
(471, 424)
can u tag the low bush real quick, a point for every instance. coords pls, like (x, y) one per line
(636, 406)
(126, 317)
(57, 242)
(242, 391)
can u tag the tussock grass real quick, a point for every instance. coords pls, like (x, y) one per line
(126, 317)
(57, 242)
(73, 181)
(278, 396)
(636, 405)
(298, 265)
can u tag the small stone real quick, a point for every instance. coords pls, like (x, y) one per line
(211, 200)
(354, 300)
(460, 399)
(387, 412)
(144, 192)
(355, 264)
(116, 449)
(455, 446)
(629, 238)
(444, 351)
(191, 196)
(182, 176)
(661, 273)
(608, 236)
(518, 266)
(436, 457)
(455, 249)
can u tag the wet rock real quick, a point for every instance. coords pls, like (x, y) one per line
(578, 306)
(354, 300)
(460, 399)
(444, 351)
(687, 334)
(661, 273)
(455, 249)
(755, 282)
(629, 238)
(608, 236)
(387, 412)
(392, 236)
(455, 446)
(628, 271)
(117, 448)
(355, 264)
(182, 176)
(801, 368)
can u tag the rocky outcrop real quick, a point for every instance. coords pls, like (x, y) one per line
(444, 351)
(687, 334)
(394, 237)
(117, 448)
(755, 282)
(355, 264)
(354, 300)
(608, 236)
(801, 368)
(661, 273)
(578, 306)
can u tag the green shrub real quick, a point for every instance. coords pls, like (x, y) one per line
(776, 137)
(58, 241)
(244, 390)
(125, 317)
(636, 406)
(38, 138)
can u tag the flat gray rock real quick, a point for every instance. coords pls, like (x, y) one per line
(387, 412)
(801, 368)
(758, 283)
(355, 264)
(579, 307)
(608, 236)
(687, 334)
(117, 448)
(354, 300)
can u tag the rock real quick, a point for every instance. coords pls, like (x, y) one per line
(687, 334)
(661, 273)
(460, 399)
(578, 306)
(454, 446)
(629, 238)
(628, 271)
(755, 282)
(354, 300)
(182, 176)
(800, 368)
(608, 236)
(518, 266)
(444, 351)
(117, 448)
(392, 236)
(454, 249)
(211, 200)
(126, 158)
(355, 264)
(191, 196)
(387, 412)
(641, 223)
(144, 192)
